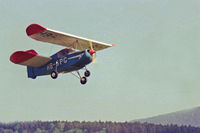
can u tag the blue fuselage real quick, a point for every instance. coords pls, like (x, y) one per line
(64, 63)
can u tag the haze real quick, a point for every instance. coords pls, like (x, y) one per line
(153, 69)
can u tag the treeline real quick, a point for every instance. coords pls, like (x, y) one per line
(92, 127)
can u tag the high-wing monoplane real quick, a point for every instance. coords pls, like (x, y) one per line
(78, 53)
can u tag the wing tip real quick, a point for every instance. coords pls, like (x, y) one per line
(21, 56)
(34, 29)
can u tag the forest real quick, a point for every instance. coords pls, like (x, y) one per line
(92, 127)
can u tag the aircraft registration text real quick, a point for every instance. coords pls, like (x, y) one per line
(57, 63)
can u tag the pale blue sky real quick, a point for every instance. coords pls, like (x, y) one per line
(154, 69)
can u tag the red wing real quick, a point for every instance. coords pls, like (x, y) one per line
(29, 58)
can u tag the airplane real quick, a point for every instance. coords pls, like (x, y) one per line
(78, 53)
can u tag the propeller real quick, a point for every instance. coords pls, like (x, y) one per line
(92, 52)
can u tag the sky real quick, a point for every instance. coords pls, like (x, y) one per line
(153, 69)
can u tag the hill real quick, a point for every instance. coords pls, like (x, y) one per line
(184, 117)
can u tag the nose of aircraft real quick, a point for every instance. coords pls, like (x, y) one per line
(91, 51)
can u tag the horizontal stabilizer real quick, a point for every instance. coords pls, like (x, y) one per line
(43, 34)
(29, 58)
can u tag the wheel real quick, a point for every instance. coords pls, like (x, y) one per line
(54, 75)
(83, 80)
(87, 73)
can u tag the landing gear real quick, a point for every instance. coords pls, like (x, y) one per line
(87, 73)
(83, 80)
(54, 74)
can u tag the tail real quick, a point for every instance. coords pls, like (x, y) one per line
(30, 72)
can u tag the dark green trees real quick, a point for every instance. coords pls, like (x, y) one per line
(92, 127)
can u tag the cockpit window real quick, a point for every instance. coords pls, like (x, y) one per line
(64, 52)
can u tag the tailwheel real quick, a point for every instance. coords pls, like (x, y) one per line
(83, 80)
(34, 77)
(54, 74)
(87, 73)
